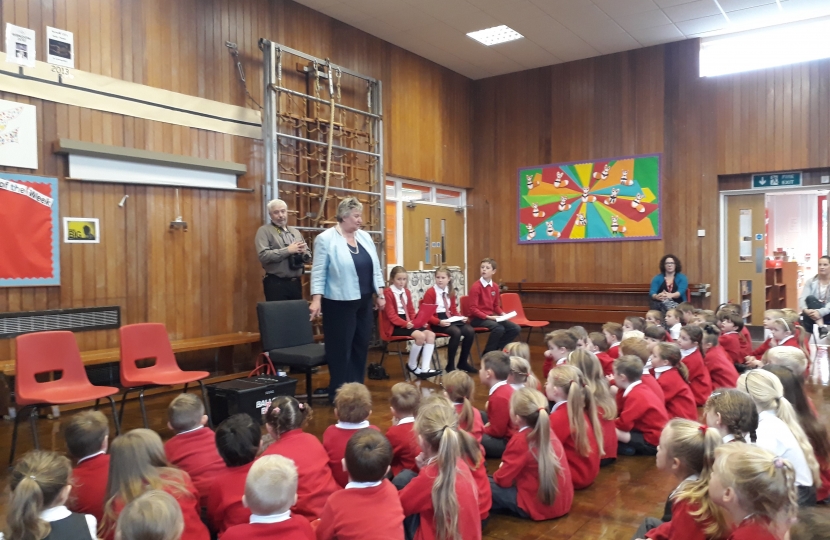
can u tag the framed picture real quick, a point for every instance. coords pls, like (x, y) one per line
(81, 231)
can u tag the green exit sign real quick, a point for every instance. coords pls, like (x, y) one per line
(779, 180)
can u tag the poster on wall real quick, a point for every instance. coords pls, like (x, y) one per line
(81, 231)
(613, 199)
(20, 45)
(60, 47)
(18, 135)
(30, 250)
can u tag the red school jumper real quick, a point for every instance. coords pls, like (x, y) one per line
(405, 447)
(614, 351)
(314, 483)
(699, 380)
(477, 429)
(295, 528)
(762, 348)
(416, 498)
(680, 403)
(335, 439)
(642, 411)
(499, 425)
(484, 301)
(752, 530)
(195, 453)
(606, 361)
(379, 514)
(609, 435)
(391, 308)
(683, 526)
(746, 342)
(225, 508)
(721, 369)
(520, 468)
(584, 469)
(732, 345)
(430, 297)
(89, 486)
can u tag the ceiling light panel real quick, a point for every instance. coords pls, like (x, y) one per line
(495, 35)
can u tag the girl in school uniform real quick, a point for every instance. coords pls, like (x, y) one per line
(574, 421)
(534, 479)
(756, 489)
(673, 378)
(655, 334)
(441, 295)
(521, 375)
(699, 380)
(284, 421)
(400, 311)
(779, 431)
(754, 358)
(687, 451)
(721, 369)
(733, 414)
(597, 384)
(459, 387)
(784, 332)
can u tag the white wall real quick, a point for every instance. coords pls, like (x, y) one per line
(793, 226)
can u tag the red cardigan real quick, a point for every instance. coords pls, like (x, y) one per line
(89, 486)
(484, 301)
(225, 508)
(482, 482)
(642, 411)
(746, 342)
(699, 380)
(762, 348)
(380, 514)
(732, 345)
(519, 468)
(295, 528)
(584, 469)
(751, 530)
(391, 308)
(609, 436)
(335, 440)
(405, 447)
(430, 297)
(315, 483)
(416, 498)
(683, 526)
(195, 453)
(614, 351)
(680, 403)
(606, 361)
(499, 425)
(721, 369)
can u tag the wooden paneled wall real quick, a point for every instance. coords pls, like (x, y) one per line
(206, 281)
(638, 102)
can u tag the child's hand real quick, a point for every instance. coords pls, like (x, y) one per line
(492, 317)
(409, 325)
(420, 460)
(445, 323)
(549, 354)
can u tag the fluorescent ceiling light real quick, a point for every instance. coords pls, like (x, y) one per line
(495, 35)
(765, 48)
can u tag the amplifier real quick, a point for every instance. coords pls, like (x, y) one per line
(251, 396)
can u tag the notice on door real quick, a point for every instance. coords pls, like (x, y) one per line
(745, 236)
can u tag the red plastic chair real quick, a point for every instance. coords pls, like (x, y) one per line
(464, 306)
(50, 352)
(512, 302)
(385, 328)
(145, 341)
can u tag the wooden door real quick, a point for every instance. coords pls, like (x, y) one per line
(433, 235)
(745, 257)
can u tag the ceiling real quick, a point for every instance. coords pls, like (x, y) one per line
(554, 31)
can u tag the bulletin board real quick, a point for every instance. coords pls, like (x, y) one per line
(614, 199)
(30, 250)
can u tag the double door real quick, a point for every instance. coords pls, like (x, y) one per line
(432, 236)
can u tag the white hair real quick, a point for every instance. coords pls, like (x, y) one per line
(276, 203)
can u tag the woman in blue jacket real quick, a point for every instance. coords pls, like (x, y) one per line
(668, 288)
(346, 281)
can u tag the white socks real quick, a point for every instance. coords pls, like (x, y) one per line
(414, 351)
(426, 356)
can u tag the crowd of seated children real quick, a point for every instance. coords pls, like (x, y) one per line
(485, 308)
(756, 489)
(237, 440)
(154, 515)
(691, 337)
(733, 414)
(270, 492)
(613, 333)
(284, 420)
(642, 414)
(754, 359)
(779, 431)
(534, 479)
(87, 440)
(634, 323)
(369, 505)
(498, 428)
(400, 311)
(642, 350)
(192, 448)
(598, 345)
(722, 371)
(673, 378)
(460, 332)
(595, 382)
(673, 323)
(404, 401)
(574, 421)
(687, 451)
(560, 344)
(352, 407)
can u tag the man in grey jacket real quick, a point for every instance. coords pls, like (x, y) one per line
(283, 254)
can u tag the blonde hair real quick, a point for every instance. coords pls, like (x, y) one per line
(633, 334)
(767, 393)
(185, 412)
(271, 485)
(155, 515)
(580, 402)
(522, 373)
(789, 357)
(405, 398)
(36, 482)
(437, 426)
(764, 483)
(531, 406)
(518, 348)
(694, 445)
(595, 380)
(353, 403)
(459, 387)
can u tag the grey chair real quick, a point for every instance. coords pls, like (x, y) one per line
(285, 330)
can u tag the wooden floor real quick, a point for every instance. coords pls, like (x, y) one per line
(612, 508)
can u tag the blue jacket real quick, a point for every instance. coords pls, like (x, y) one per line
(333, 273)
(679, 280)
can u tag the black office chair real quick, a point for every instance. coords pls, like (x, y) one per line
(285, 330)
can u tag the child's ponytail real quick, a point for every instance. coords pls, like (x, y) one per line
(286, 413)
(670, 352)
(531, 406)
(35, 483)
(580, 403)
(459, 387)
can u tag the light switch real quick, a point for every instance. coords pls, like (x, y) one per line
(701, 232)
(825, 179)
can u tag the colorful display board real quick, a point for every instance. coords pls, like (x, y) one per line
(607, 200)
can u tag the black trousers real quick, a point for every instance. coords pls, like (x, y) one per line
(505, 500)
(347, 326)
(811, 302)
(277, 288)
(456, 331)
(501, 333)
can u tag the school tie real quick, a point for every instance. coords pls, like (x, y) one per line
(403, 306)
(446, 305)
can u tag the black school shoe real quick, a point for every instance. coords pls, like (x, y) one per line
(468, 368)
(822, 332)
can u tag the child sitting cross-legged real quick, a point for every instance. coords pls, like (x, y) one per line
(722, 371)
(642, 414)
(404, 403)
(87, 439)
(352, 407)
(672, 376)
(596, 383)
(495, 368)
(270, 492)
(369, 507)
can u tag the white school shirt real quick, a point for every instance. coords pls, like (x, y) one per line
(495, 386)
(398, 300)
(352, 425)
(729, 438)
(686, 352)
(786, 339)
(674, 331)
(61, 512)
(659, 370)
(774, 435)
(439, 298)
(557, 405)
(363, 485)
(273, 518)
(630, 386)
